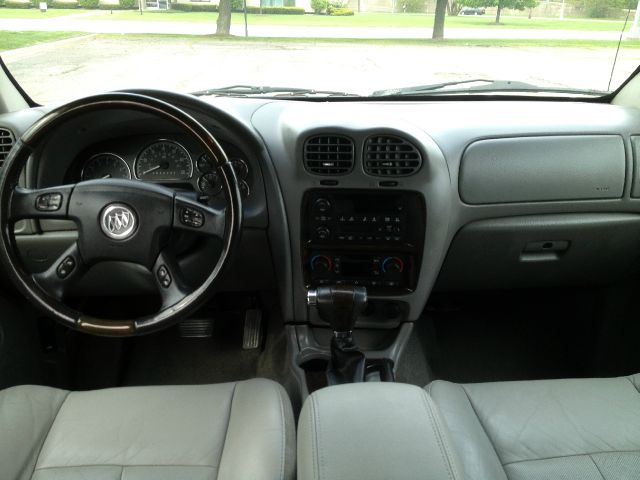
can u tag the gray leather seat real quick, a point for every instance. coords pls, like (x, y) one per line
(242, 430)
(578, 429)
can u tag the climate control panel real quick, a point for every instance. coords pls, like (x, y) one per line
(371, 270)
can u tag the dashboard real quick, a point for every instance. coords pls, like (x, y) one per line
(403, 197)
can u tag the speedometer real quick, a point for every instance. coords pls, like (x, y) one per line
(164, 160)
(105, 165)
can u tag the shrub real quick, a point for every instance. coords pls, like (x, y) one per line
(68, 4)
(319, 6)
(92, 4)
(237, 5)
(16, 4)
(341, 12)
(182, 7)
(208, 7)
(277, 10)
(203, 7)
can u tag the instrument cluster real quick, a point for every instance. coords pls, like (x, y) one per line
(161, 160)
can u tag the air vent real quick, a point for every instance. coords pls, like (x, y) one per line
(391, 156)
(329, 155)
(6, 142)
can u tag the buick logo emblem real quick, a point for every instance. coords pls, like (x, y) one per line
(118, 221)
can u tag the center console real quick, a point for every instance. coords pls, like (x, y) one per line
(363, 237)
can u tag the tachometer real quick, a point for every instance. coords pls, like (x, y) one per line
(206, 165)
(164, 160)
(105, 165)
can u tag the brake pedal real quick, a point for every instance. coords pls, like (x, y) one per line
(252, 337)
(196, 328)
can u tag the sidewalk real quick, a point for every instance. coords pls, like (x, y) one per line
(79, 23)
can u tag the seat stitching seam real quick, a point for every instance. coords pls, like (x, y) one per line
(44, 439)
(484, 429)
(438, 435)
(282, 437)
(597, 467)
(226, 432)
(62, 467)
(445, 441)
(633, 384)
(316, 436)
(571, 455)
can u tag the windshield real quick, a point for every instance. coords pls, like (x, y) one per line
(62, 49)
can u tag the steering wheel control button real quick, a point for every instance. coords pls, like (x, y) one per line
(191, 217)
(65, 267)
(164, 277)
(118, 221)
(49, 202)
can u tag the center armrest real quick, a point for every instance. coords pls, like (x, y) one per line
(373, 431)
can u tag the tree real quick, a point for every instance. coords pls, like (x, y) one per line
(438, 21)
(223, 25)
(453, 8)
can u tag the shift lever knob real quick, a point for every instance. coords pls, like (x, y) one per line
(338, 305)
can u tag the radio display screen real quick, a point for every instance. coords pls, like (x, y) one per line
(373, 203)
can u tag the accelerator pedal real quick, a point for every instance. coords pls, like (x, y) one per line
(252, 337)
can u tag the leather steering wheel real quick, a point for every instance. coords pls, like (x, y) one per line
(121, 220)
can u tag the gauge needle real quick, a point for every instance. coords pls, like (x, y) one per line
(108, 175)
(152, 169)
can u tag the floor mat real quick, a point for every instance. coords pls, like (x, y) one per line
(524, 335)
(164, 358)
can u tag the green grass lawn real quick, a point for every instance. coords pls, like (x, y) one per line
(371, 20)
(11, 40)
(31, 13)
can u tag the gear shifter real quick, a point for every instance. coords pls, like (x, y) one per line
(339, 306)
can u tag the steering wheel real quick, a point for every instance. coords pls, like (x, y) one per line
(121, 220)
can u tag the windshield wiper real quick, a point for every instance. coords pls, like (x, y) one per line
(485, 86)
(250, 90)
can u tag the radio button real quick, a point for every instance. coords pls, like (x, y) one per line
(323, 232)
(322, 205)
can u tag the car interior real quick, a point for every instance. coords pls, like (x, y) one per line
(238, 287)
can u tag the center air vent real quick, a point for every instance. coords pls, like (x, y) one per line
(390, 156)
(329, 155)
(6, 142)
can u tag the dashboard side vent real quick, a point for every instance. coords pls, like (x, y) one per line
(391, 156)
(329, 155)
(6, 142)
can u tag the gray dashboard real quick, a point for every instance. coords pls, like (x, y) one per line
(517, 193)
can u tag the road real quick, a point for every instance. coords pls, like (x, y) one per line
(81, 23)
(63, 70)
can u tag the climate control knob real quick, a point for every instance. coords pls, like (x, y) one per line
(392, 265)
(321, 264)
(323, 232)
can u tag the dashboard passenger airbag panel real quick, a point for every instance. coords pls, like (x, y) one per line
(539, 169)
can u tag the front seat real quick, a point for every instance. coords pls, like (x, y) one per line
(242, 430)
(577, 429)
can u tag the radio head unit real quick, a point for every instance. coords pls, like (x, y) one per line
(363, 237)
